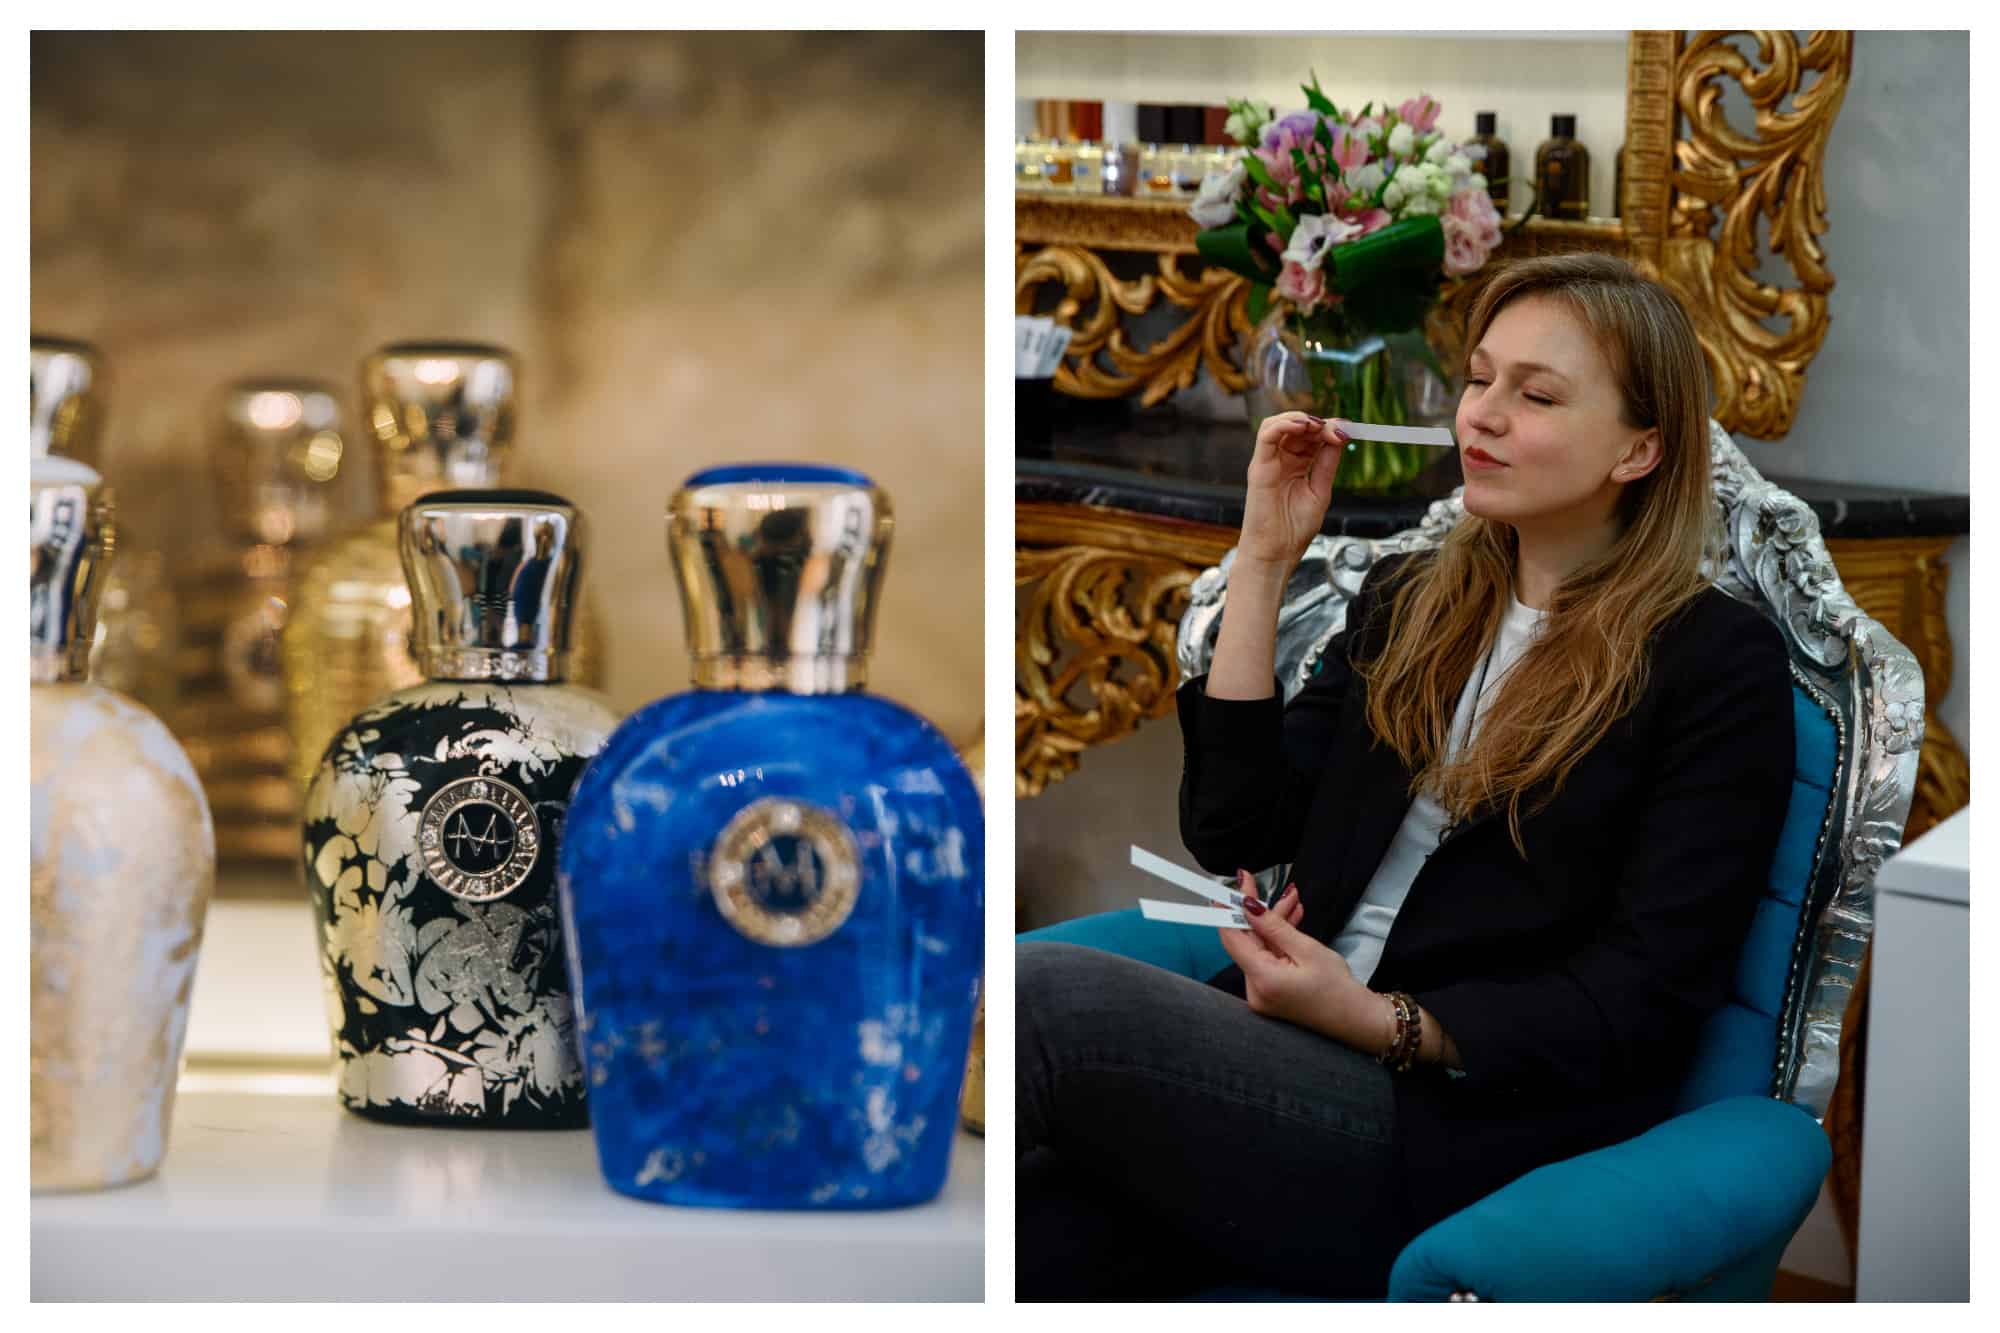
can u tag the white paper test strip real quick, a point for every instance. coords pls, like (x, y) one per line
(1368, 430)
(1181, 878)
(1186, 914)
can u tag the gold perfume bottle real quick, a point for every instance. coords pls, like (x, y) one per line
(137, 637)
(121, 866)
(279, 451)
(442, 418)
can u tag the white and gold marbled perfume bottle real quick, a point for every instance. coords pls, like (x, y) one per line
(432, 825)
(441, 415)
(122, 862)
(136, 646)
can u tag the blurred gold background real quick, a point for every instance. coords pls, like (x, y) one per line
(704, 247)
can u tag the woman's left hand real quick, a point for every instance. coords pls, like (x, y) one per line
(1287, 973)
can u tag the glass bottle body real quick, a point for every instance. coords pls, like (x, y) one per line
(429, 842)
(122, 865)
(731, 1063)
(1562, 170)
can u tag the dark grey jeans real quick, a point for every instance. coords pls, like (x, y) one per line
(1171, 1141)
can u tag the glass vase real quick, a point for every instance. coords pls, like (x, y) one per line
(1331, 364)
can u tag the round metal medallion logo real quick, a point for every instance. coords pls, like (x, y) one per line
(479, 837)
(784, 872)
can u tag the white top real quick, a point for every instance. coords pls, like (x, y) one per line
(1361, 940)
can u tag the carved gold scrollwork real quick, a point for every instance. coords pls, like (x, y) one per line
(1097, 601)
(1092, 297)
(1776, 177)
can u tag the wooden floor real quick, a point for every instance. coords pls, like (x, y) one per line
(1792, 1287)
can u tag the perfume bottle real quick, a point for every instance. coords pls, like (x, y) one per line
(279, 450)
(121, 866)
(772, 883)
(1490, 157)
(432, 826)
(1562, 171)
(136, 645)
(442, 417)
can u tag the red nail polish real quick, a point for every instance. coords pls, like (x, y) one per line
(1253, 905)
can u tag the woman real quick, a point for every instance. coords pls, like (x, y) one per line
(1529, 800)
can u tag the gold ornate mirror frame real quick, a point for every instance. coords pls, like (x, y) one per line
(1696, 191)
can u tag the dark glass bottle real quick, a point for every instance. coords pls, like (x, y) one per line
(1494, 161)
(1562, 171)
(1618, 185)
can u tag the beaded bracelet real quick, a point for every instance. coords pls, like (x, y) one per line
(1408, 1038)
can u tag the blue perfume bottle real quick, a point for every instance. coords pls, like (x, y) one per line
(772, 884)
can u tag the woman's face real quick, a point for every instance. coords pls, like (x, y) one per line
(1540, 398)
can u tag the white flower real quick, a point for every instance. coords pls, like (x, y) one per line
(1438, 151)
(1477, 181)
(1215, 206)
(1247, 121)
(1411, 178)
(1392, 198)
(1420, 204)
(1458, 164)
(1364, 179)
(1314, 236)
(1401, 139)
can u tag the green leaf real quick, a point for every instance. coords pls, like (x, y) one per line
(1259, 304)
(1235, 248)
(1258, 172)
(1268, 218)
(1316, 99)
(1323, 136)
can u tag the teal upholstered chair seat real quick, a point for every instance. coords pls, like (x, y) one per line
(1702, 1206)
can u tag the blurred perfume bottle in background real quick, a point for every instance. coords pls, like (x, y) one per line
(136, 645)
(121, 866)
(273, 466)
(441, 416)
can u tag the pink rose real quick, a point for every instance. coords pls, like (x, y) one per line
(1475, 209)
(1420, 113)
(1463, 253)
(1303, 287)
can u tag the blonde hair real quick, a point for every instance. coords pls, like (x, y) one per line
(1588, 665)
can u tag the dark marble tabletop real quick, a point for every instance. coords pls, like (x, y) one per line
(1169, 466)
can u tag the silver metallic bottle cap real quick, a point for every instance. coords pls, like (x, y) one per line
(780, 566)
(493, 578)
(281, 447)
(64, 409)
(442, 415)
(70, 538)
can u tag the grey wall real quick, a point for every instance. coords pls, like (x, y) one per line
(1886, 403)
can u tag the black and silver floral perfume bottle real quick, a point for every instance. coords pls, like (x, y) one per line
(432, 824)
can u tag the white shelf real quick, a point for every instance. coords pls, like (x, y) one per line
(273, 1197)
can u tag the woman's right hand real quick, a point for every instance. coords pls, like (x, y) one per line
(1289, 486)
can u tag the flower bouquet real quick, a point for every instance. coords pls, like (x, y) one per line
(1345, 223)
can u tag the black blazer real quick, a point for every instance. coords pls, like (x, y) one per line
(1574, 983)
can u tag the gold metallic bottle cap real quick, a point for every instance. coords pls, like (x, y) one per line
(493, 578)
(70, 539)
(281, 448)
(442, 414)
(65, 410)
(780, 566)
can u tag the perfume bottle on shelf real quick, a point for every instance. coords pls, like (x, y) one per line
(121, 866)
(280, 448)
(1490, 157)
(136, 645)
(442, 417)
(772, 883)
(1562, 172)
(432, 826)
